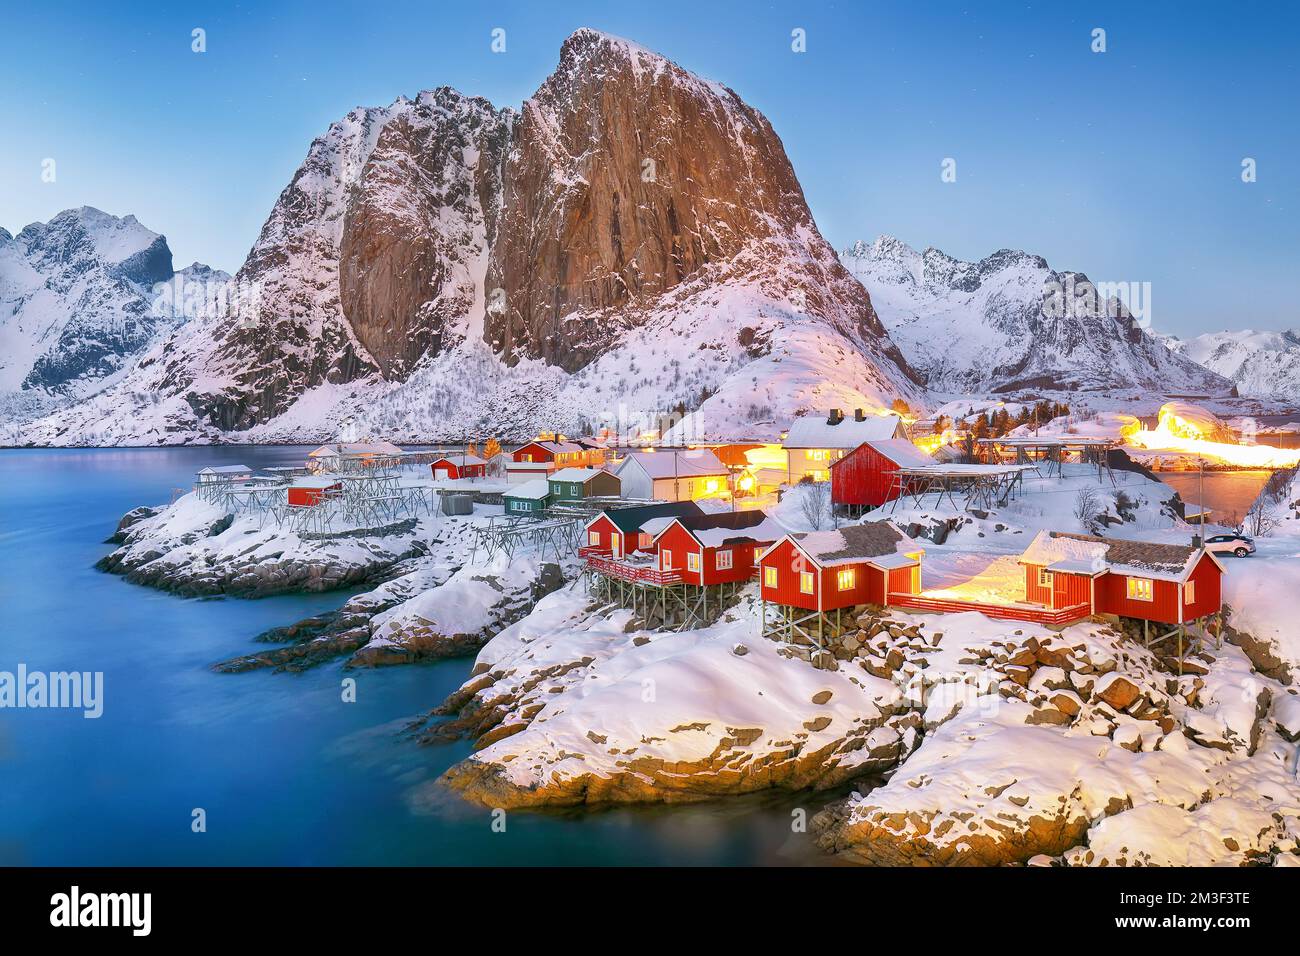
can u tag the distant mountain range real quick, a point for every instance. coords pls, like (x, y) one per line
(630, 248)
(1260, 364)
(1008, 323)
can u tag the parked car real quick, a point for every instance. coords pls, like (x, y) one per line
(1237, 545)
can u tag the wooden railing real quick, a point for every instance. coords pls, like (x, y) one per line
(1005, 612)
(637, 573)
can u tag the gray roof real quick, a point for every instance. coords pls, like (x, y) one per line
(853, 542)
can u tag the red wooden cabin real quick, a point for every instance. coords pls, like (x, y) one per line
(459, 466)
(829, 570)
(717, 548)
(618, 531)
(1167, 583)
(312, 491)
(867, 476)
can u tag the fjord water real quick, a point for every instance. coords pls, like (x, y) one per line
(285, 771)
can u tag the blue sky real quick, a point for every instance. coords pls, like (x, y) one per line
(1125, 164)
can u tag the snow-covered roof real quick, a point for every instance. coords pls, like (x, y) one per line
(557, 447)
(355, 448)
(225, 470)
(815, 431)
(876, 542)
(693, 463)
(535, 489)
(1089, 554)
(314, 482)
(529, 466)
(716, 530)
(583, 475)
(631, 520)
(900, 451)
(461, 459)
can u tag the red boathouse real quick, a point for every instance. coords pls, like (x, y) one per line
(312, 491)
(716, 548)
(867, 476)
(462, 465)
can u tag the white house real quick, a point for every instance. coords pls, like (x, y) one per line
(813, 442)
(673, 475)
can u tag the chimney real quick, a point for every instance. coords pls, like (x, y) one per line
(1196, 542)
(859, 415)
(836, 416)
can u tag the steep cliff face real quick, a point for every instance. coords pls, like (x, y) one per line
(633, 242)
(421, 218)
(1010, 322)
(628, 177)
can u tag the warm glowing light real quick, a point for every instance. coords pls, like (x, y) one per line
(747, 483)
(711, 486)
(1178, 430)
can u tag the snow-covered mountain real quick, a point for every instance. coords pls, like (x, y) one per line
(631, 245)
(1011, 322)
(1260, 364)
(79, 302)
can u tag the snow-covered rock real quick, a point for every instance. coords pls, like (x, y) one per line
(631, 246)
(1011, 322)
(80, 300)
(1260, 364)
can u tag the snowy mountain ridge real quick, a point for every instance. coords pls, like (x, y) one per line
(440, 266)
(1260, 364)
(79, 303)
(1010, 322)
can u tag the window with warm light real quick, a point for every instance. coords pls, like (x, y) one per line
(1189, 592)
(806, 582)
(593, 537)
(845, 579)
(666, 559)
(711, 485)
(769, 577)
(723, 560)
(643, 540)
(1141, 589)
(693, 562)
(1044, 578)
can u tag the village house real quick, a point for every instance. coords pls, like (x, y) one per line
(527, 497)
(304, 492)
(338, 456)
(867, 477)
(712, 549)
(812, 443)
(539, 458)
(673, 475)
(459, 465)
(619, 531)
(1165, 583)
(575, 484)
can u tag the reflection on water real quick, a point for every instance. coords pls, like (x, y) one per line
(286, 772)
(1229, 494)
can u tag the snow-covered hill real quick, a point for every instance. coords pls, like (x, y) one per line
(1260, 364)
(79, 302)
(1010, 322)
(632, 245)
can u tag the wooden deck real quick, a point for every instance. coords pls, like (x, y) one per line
(635, 573)
(1001, 612)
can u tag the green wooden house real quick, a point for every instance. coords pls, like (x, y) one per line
(527, 497)
(574, 484)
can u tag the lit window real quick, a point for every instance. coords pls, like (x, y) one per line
(723, 560)
(525, 457)
(845, 579)
(1141, 589)
(692, 562)
(769, 577)
(806, 582)
(711, 485)
(643, 540)
(593, 537)
(666, 559)
(1189, 592)
(1044, 578)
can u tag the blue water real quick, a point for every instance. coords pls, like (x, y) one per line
(285, 771)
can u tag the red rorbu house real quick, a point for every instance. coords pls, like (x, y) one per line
(867, 477)
(617, 532)
(312, 491)
(809, 579)
(462, 465)
(1171, 584)
(539, 458)
(714, 549)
